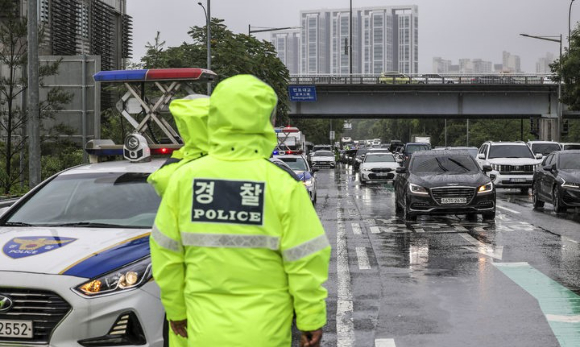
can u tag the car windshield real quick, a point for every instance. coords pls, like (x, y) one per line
(510, 151)
(444, 165)
(105, 199)
(545, 148)
(361, 152)
(570, 146)
(323, 154)
(375, 158)
(569, 162)
(416, 148)
(318, 148)
(296, 164)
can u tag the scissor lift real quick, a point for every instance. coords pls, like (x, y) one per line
(168, 81)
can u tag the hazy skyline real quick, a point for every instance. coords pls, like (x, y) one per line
(451, 29)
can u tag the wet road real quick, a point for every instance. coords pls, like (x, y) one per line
(446, 281)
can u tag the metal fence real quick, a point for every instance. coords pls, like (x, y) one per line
(423, 79)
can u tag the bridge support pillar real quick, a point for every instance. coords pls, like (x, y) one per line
(548, 128)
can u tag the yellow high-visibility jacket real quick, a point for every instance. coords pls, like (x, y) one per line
(190, 116)
(237, 246)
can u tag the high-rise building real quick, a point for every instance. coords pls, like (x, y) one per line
(287, 44)
(91, 27)
(511, 62)
(383, 39)
(543, 64)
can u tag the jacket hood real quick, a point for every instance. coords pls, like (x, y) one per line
(239, 123)
(190, 116)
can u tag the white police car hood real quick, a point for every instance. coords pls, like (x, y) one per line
(81, 252)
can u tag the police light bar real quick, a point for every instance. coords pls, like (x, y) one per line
(287, 129)
(153, 75)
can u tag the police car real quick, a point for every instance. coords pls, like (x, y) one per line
(300, 166)
(75, 263)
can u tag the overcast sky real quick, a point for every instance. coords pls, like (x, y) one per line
(451, 29)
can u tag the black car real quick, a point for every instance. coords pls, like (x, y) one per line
(444, 182)
(557, 181)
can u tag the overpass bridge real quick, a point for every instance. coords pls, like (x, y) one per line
(439, 96)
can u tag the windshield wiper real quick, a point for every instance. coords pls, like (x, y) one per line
(458, 164)
(18, 224)
(88, 224)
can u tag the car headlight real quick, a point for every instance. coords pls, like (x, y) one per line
(486, 188)
(366, 169)
(417, 189)
(125, 278)
(308, 183)
(570, 185)
(495, 167)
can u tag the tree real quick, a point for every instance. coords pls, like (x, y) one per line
(13, 85)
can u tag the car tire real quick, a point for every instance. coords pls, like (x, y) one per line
(408, 217)
(488, 216)
(537, 203)
(557, 202)
(398, 208)
(471, 216)
(363, 182)
(314, 200)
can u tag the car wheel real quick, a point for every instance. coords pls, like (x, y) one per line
(363, 182)
(472, 216)
(536, 198)
(314, 200)
(524, 190)
(557, 202)
(408, 217)
(488, 215)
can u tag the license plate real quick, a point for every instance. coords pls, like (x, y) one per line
(16, 328)
(383, 175)
(517, 179)
(453, 200)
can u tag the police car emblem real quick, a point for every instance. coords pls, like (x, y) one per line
(5, 303)
(229, 202)
(25, 246)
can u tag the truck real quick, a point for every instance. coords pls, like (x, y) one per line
(423, 139)
(291, 137)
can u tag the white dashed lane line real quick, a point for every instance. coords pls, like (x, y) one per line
(356, 229)
(385, 343)
(507, 209)
(363, 258)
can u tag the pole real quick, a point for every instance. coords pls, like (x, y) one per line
(33, 97)
(569, 20)
(445, 128)
(559, 123)
(208, 21)
(350, 42)
(467, 134)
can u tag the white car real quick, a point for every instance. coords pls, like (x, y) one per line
(378, 167)
(300, 166)
(543, 147)
(513, 163)
(75, 266)
(320, 159)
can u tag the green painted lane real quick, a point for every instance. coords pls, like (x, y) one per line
(560, 305)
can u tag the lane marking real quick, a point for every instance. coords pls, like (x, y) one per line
(356, 229)
(480, 247)
(562, 319)
(385, 343)
(507, 209)
(555, 300)
(363, 258)
(344, 306)
(567, 239)
(375, 230)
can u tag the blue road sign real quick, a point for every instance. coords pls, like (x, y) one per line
(302, 93)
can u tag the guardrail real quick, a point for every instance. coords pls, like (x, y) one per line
(423, 79)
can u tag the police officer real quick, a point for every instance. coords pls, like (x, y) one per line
(237, 247)
(190, 114)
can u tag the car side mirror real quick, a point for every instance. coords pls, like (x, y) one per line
(549, 168)
(486, 168)
(401, 170)
(539, 156)
(481, 156)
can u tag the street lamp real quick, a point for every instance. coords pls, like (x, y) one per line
(207, 24)
(559, 40)
(569, 19)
